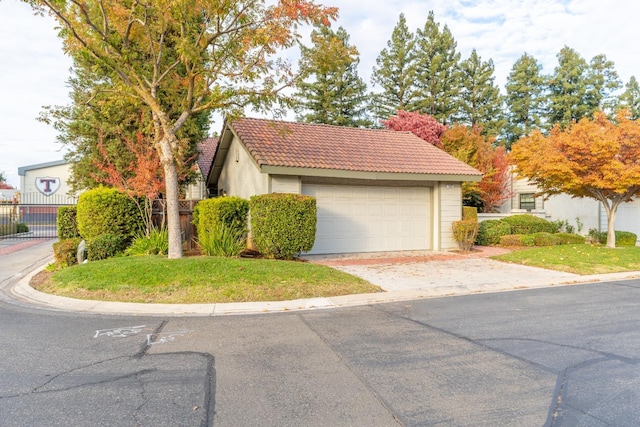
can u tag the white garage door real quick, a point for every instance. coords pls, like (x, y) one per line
(370, 219)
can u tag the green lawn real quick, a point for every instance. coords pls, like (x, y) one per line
(200, 280)
(579, 259)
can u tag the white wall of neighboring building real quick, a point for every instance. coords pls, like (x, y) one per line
(582, 213)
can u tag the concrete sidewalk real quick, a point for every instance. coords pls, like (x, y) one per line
(404, 276)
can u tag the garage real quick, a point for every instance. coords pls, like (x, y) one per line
(376, 190)
(370, 218)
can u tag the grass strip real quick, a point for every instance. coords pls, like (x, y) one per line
(155, 279)
(579, 259)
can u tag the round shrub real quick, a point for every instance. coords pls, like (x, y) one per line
(104, 246)
(283, 225)
(108, 211)
(490, 232)
(67, 223)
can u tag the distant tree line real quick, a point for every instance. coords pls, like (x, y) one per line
(423, 72)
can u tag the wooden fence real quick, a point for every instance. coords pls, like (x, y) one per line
(189, 234)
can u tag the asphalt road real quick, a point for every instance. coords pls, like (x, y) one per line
(564, 356)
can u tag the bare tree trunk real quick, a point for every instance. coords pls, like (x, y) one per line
(611, 223)
(172, 195)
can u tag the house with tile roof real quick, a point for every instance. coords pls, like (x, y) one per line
(376, 190)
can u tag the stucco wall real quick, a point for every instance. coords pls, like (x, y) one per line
(450, 211)
(285, 184)
(240, 175)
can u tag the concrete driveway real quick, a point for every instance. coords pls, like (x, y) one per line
(450, 273)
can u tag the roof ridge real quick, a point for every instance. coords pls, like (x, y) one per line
(322, 125)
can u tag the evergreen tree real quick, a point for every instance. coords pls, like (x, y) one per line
(437, 72)
(603, 81)
(395, 72)
(568, 90)
(480, 99)
(525, 98)
(331, 91)
(630, 98)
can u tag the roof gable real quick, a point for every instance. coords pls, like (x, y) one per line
(325, 147)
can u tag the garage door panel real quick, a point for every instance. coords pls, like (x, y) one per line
(370, 218)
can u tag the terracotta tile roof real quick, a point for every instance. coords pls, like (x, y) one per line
(207, 149)
(305, 145)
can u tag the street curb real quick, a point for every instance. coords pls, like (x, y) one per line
(24, 292)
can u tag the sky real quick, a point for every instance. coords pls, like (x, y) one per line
(34, 70)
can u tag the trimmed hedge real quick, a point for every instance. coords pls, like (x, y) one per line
(230, 212)
(65, 252)
(108, 211)
(528, 224)
(490, 232)
(282, 224)
(541, 239)
(623, 238)
(67, 222)
(570, 239)
(469, 213)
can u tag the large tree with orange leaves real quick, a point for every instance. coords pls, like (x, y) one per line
(218, 54)
(595, 158)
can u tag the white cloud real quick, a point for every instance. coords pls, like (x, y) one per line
(33, 70)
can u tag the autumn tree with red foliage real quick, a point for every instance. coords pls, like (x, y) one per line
(421, 125)
(469, 145)
(141, 179)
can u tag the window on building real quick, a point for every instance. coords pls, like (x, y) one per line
(527, 201)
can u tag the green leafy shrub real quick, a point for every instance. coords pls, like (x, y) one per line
(105, 246)
(546, 239)
(570, 239)
(283, 225)
(517, 240)
(21, 227)
(67, 223)
(469, 213)
(230, 212)
(465, 232)
(625, 238)
(528, 224)
(490, 232)
(223, 241)
(65, 252)
(108, 211)
(156, 243)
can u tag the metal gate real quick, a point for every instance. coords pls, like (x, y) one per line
(32, 216)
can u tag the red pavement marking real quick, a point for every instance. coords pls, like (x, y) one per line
(19, 246)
